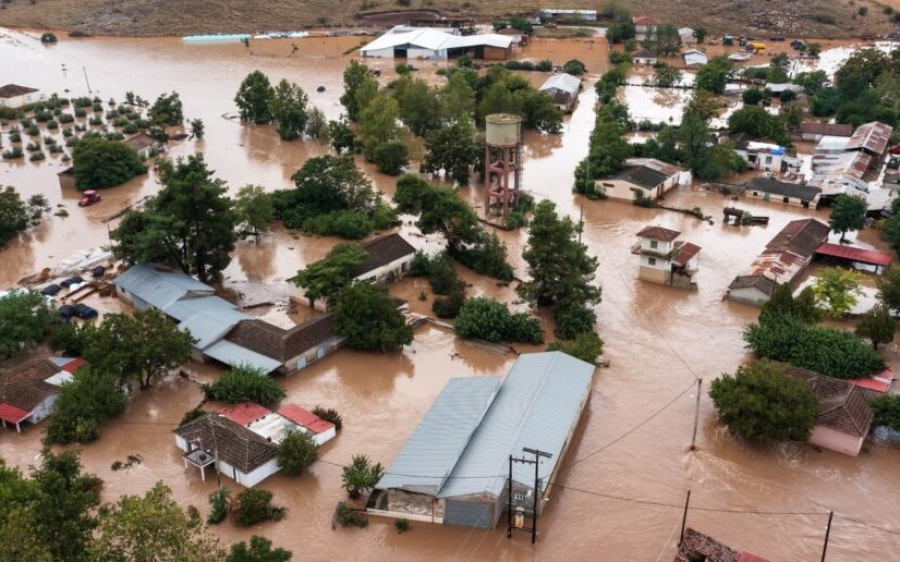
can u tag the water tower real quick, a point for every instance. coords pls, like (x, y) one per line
(503, 161)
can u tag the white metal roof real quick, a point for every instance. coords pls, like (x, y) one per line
(234, 355)
(563, 81)
(158, 285)
(211, 325)
(433, 39)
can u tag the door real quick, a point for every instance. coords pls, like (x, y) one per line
(322, 350)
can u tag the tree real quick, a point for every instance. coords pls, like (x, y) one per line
(668, 40)
(167, 110)
(144, 346)
(287, 107)
(83, 405)
(189, 224)
(391, 158)
(253, 97)
(327, 277)
(714, 75)
(812, 81)
(25, 320)
(877, 326)
(244, 384)
(753, 96)
(260, 550)
(889, 289)
(762, 402)
(665, 75)
(848, 213)
(608, 149)
(782, 302)
(358, 87)
(253, 208)
(813, 49)
(452, 149)
(101, 163)
(586, 346)
(296, 453)
(369, 318)
(757, 122)
(887, 411)
(490, 320)
(700, 34)
(254, 506)
(153, 528)
(198, 130)
(360, 476)
(17, 215)
(457, 97)
(419, 106)
(836, 290)
(560, 268)
(574, 67)
(378, 124)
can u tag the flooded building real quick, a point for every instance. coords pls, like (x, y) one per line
(645, 56)
(664, 259)
(143, 144)
(815, 131)
(768, 188)
(697, 546)
(642, 177)
(455, 467)
(563, 88)
(288, 349)
(553, 13)
(15, 96)
(643, 25)
(437, 44)
(872, 139)
(785, 257)
(30, 392)
(274, 426)
(759, 154)
(694, 58)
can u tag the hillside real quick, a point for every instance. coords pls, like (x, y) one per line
(181, 17)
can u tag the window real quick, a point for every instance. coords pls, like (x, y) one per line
(651, 261)
(768, 159)
(787, 199)
(654, 244)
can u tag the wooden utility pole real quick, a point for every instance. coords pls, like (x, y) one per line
(84, 69)
(687, 502)
(696, 414)
(827, 534)
(534, 506)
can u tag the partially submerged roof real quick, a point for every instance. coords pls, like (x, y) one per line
(245, 413)
(278, 343)
(831, 129)
(235, 444)
(25, 388)
(658, 233)
(159, 285)
(854, 253)
(800, 237)
(843, 406)
(562, 81)
(235, 355)
(435, 446)
(784, 189)
(381, 251)
(756, 281)
(140, 141)
(685, 252)
(645, 20)
(433, 39)
(304, 418)
(14, 90)
(644, 54)
(873, 137)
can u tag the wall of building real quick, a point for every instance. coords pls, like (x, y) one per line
(496, 53)
(324, 437)
(19, 101)
(253, 478)
(621, 190)
(748, 295)
(471, 514)
(400, 504)
(653, 274)
(794, 201)
(387, 53)
(429, 54)
(44, 409)
(310, 356)
(835, 440)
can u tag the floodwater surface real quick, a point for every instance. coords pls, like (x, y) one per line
(625, 478)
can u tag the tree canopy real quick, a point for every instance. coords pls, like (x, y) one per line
(259, 550)
(296, 453)
(490, 320)
(836, 290)
(253, 98)
(848, 212)
(782, 303)
(887, 411)
(253, 208)
(758, 123)
(25, 321)
(244, 384)
(714, 75)
(360, 475)
(877, 326)
(101, 163)
(889, 289)
(761, 402)
(327, 277)
(17, 214)
(359, 86)
(167, 110)
(369, 317)
(452, 149)
(608, 148)
(84, 404)
(287, 107)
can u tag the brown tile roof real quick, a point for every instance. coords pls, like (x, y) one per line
(658, 233)
(140, 141)
(800, 237)
(382, 251)
(686, 251)
(842, 405)
(278, 343)
(26, 388)
(13, 90)
(645, 20)
(830, 129)
(757, 281)
(706, 547)
(236, 445)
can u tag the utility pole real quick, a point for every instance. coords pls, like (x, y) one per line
(84, 69)
(687, 502)
(696, 414)
(534, 515)
(827, 534)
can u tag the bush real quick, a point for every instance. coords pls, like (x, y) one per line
(442, 275)
(360, 476)
(420, 265)
(296, 453)
(49, 38)
(402, 525)
(13, 154)
(573, 320)
(544, 66)
(887, 411)
(254, 506)
(37, 157)
(391, 158)
(490, 320)
(331, 415)
(244, 384)
(586, 346)
(218, 502)
(488, 257)
(574, 67)
(347, 517)
(449, 307)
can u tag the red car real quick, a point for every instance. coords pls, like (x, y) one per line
(894, 149)
(89, 198)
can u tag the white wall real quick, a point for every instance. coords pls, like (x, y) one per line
(19, 101)
(325, 436)
(834, 440)
(44, 409)
(387, 53)
(748, 295)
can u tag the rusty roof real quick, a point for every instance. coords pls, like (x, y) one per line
(830, 129)
(873, 137)
(800, 237)
(14, 90)
(235, 444)
(382, 251)
(278, 343)
(26, 387)
(757, 281)
(854, 253)
(842, 405)
(140, 141)
(686, 252)
(658, 233)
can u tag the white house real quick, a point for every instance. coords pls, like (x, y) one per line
(563, 88)
(694, 57)
(664, 259)
(274, 426)
(387, 258)
(645, 56)
(437, 44)
(644, 25)
(643, 177)
(143, 144)
(15, 96)
(760, 155)
(30, 393)
(687, 35)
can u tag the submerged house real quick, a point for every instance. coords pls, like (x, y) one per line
(563, 88)
(645, 56)
(664, 259)
(814, 131)
(790, 193)
(759, 154)
(642, 177)
(30, 393)
(643, 25)
(694, 57)
(454, 469)
(143, 144)
(15, 96)
(785, 257)
(274, 426)
(291, 349)
(437, 44)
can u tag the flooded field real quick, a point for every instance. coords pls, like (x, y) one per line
(624, 482)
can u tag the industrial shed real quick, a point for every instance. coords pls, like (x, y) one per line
(437, 44)
(563, 88)
(454, 468)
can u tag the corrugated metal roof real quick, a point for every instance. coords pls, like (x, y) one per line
(564, 82)
(872, 136)
(854, 253)
(304, 418)
(211, 325)
(234, 355)
(158, 285)
(538, 406)
(441, 437)
(434, 39)
(185, 308)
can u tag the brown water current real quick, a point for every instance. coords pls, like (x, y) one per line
(627, 474)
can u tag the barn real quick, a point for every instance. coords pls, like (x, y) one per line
(437, 44)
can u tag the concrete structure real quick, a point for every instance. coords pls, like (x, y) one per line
(844, 417)
(645, 176)
(563, 88)
(785, 257)
(697, 546)
(503, 162)
(759, 154)
(143, 144)
(665, 260)
(274, 426)
(770, 189)
(387, 258)
(437, 44)
(694, 58)
(553, 13)
(232, 449)
(645, 56)
(30, 392)
(290, 349)
(644, 24)
(815, 131)
(454, 468)
(15, 96)
(687, 36)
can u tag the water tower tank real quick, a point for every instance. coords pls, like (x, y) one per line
(503, 129)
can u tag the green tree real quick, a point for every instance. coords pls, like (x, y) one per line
(253, 98)
(259, 550)
(452, 149)
(391, 158)
(253, 208)
(877, 326)
(83, 405)
(198, 129)
(714, 75)
(761, 402)
(101, 163)
(153, 528)
(848, 213)
(189, 224)
(887, 411)
(360, 476)
(378, 124)
(16, 214)
(327, 277)
(25, 321)
(574, 67)
(369, 318)
(144, 346)
(782, 302)
(296, 453)
(586, 346)
(287, 107)
(836, 290)
(889, 289)
(560, 268)
(700, 34)
(753, 96)
(668, 40)
(457, 97)
(418, 105)
(665, 75)
(812, 81)
(359, 88)
(490, 320)
(167, 110)
(757, 122)
(254, 506)
(244, 384)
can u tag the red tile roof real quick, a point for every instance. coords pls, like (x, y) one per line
(12, 414)
(305, 418)
(73, 365)
(854, 253)
(872, 384)
(800, 237)
(658, 233)
(245, 412)
(685, 253)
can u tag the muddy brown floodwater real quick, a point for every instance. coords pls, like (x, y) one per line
(627, 474)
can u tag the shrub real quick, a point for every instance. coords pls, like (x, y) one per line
(574, 320)
(420, 265)
(32, 131)
(48, 38)
(887, 411)
(331, 415)
(218, 502)
(37, 157)
(402, 525)
(449, 307)
(360, 476)
(442, 275)
(13, 154)
(347, 517)
(544, 66)
(586, 346)
(296, 453)
(80, 112)
(254, 506)
(244, 384)
(574, 67)
(490, 320)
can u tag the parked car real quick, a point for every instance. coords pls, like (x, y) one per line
(88, 198)
(51, 290)
(72, 281)
(66, 312)
(85, 312)
(894, 149)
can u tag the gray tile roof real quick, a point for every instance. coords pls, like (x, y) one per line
(232, 354)
(784, 189)
(382, 251)
(641, 176)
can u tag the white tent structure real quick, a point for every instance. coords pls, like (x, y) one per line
(436, 44)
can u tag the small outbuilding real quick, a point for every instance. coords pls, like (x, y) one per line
(15, 96)
(790, 193)
(563, 88)
(437, 44)
(30, 392)
(645, 56)
(694, 58)
(644, 24)
(643, 177)
(143, 144)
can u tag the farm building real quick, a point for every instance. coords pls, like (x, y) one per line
(291, 349)
(470, 431)
(387, 258)
(783, 260)
(30, 393)
(664, 259)
(563, 88)
(770, 189)
(553, 14)
(274, 426)
(15, 96)
(815, 131)
(645, 56)
(693, 57)
(643, 25)
(645, 176)
(437, 44)
(143, 144)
